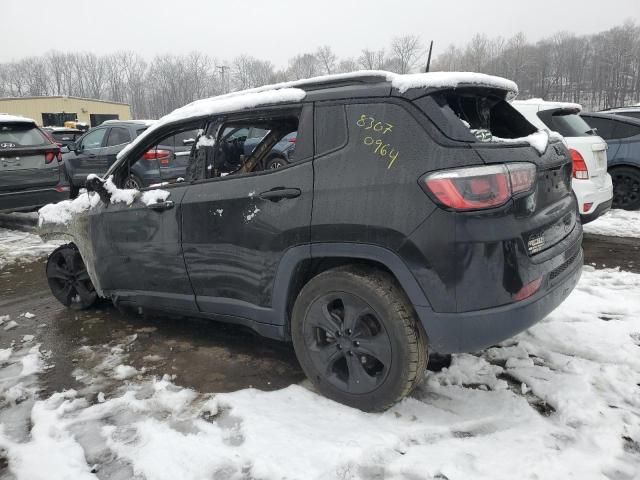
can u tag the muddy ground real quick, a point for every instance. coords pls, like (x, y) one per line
(203, 355)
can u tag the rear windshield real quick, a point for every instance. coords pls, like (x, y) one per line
(64, 136)
(21, 135)
(568, 124)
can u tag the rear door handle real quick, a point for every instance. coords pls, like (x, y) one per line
(160, 206)
(278, 193)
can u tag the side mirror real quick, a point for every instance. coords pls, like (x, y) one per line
(96, 184)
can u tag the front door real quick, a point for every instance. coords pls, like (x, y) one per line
(89, 156)
(141, 253)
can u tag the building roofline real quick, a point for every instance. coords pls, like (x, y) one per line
(64, 96)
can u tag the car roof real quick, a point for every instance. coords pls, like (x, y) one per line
(6, 118)
(147, 123)
(612, 116)
(549, 105)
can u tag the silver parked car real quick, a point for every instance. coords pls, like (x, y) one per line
(31, 173)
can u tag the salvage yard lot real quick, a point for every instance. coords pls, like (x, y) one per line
(100, 394)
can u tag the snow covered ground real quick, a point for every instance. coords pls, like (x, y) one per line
(561, 400)
(22, 247)
(616, 223)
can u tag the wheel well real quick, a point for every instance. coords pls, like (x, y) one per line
(624, 165)
(309, 268)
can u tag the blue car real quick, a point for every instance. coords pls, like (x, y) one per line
(622, 134)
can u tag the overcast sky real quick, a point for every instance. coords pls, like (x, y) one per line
(277, 30)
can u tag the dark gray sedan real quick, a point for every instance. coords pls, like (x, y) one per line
(30, 166)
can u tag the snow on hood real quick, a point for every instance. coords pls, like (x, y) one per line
(4, 117)
(291, 92)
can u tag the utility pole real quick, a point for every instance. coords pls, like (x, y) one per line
(223, 69)
(429, 57)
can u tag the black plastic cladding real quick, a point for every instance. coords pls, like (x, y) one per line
(227, 250)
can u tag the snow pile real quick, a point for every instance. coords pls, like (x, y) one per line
(154, 196)
(22, 247)
(616, 223)
(558, 401)
(451, 79)
(62, 212)
(538, 140)
(206, 141)
(120, 195)
(4, 117)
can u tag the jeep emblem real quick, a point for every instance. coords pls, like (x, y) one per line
(7, 145)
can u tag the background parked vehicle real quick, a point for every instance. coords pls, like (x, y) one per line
(633, 111)
(96, 151)
(30, 166)
(622, 134)
(591, 183)
(393, 226)
(64, 136)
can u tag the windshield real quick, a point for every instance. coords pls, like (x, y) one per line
(569, 125)
(21, 135)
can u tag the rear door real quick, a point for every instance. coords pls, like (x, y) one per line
(27, 158)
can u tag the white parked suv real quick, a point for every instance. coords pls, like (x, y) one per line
(591, 183)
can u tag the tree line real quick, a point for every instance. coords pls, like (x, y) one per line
(599, 70)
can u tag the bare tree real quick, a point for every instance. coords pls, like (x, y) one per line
(406, 50)
(327, 59)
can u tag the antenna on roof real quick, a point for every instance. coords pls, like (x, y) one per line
(429, 57)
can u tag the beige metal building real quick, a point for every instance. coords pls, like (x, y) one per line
(54, 111)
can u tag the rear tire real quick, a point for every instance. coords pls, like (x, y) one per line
(275, 162)
(134, 182)
(358, 339)
(68, 278)
(626, 187)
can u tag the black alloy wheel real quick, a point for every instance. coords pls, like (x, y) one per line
(626, 188)
(358, 338)
(68, 278)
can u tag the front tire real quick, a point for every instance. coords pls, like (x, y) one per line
(357, 338)
(626, 188)
(68, 278)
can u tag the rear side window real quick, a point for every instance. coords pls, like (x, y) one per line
(603, 126)
(21, 135)
(567, 124)
(625, 130)
(118, 136)
(331, 128)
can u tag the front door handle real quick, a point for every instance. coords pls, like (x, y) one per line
(278, 193)
(160, 206)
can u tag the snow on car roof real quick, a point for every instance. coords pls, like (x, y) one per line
(293, 92)
(6, 118)
(549, 104)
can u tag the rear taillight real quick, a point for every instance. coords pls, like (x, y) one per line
(477, 188)
(580, 170)
(162, 156)
(51, 156)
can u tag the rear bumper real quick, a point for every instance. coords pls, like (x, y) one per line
(475, 330)
(24, 200)
(598, 211)
(587, 192)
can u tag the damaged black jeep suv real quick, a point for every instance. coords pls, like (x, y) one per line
(414, 213)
